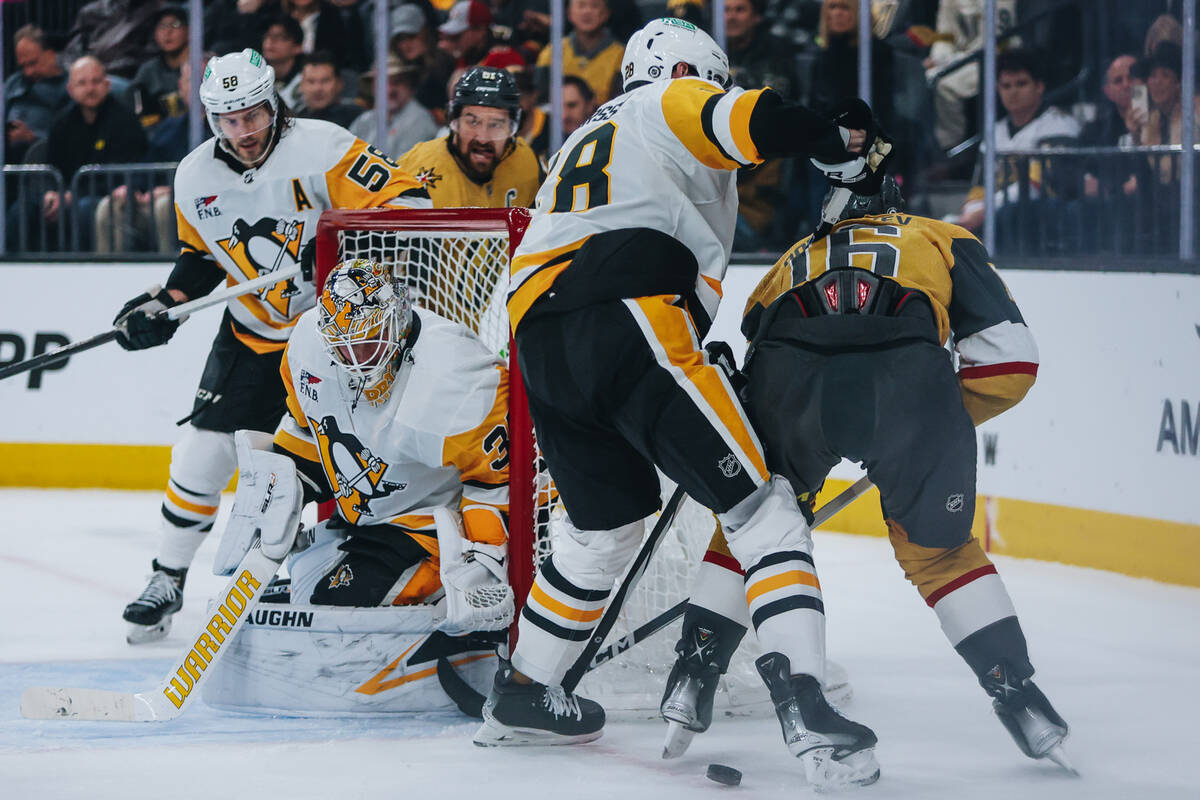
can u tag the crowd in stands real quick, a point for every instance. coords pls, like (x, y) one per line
(113, 89)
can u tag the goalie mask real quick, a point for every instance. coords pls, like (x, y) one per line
(238, 94)
(653, 52)
(364, 317)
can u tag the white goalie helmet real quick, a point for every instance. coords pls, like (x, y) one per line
(653, 52)
(235, 82)
(364, 317)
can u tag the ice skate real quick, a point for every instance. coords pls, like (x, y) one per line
(835, 751)
(687, 702)
(1027, 715)
(536, 714)
(149, 616)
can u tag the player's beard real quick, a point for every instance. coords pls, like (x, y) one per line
(481, 159)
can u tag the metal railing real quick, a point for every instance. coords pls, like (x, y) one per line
(27, 229)
(1073, 201)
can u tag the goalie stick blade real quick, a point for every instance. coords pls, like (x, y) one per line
(40, 702)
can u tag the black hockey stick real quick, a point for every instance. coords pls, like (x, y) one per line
(58, 354)
(649, 547)
(653, 626)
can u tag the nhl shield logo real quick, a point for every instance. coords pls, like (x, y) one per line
(954, 503)
(729, 466)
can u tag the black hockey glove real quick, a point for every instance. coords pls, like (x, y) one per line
(139, 324)
(720, 355)
(864, 173)
(308, 260)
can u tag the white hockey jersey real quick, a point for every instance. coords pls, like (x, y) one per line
(661, 156)
(438, 438)
(256, 221)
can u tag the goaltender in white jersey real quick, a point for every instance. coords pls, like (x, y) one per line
(394, 414)
(247, 205)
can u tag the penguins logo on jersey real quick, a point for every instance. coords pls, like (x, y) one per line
(263, 247)
(343, 577)
(355, 473)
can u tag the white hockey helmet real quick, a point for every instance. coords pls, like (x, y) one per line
(364, 317)
(235, 82)
(653, 52)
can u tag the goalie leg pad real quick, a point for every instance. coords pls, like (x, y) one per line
(267, 504)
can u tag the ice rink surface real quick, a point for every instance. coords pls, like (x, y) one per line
(1118, 656)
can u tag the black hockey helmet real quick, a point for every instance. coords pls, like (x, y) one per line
(487, 86)
(887, 200)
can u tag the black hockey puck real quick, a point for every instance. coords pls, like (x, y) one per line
(723, 774)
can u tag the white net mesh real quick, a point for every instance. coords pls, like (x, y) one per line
(463, 275)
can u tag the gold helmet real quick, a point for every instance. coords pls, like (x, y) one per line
(364, 317)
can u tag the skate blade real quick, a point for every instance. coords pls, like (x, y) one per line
(1059, 756)
(678, 739)
(825, 774)
(141, 634)
(496, 734)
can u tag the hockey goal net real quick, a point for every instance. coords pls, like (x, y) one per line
(455, 262)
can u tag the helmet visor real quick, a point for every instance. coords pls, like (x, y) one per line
(245, 133)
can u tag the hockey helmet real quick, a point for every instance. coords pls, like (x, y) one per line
(487, 86)
(235, 82)
(364, 317)
(655, 49)
(841, 203)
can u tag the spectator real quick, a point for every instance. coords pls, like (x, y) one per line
(95, 129)
(523, 24)
(34, 94)
(150, 224)
(578, 103)
(1114, 126)
(231, 26)
(333, 26)
(756, 57)
(117, 32)
(693, 11)
(282, 46)
(1028, 125)
(412, 41)
(960, 32)
(409, 122)
(321, 91)
(467, 35)
(155, 88)
(589, 51)
(1164, 124)
(535, 122)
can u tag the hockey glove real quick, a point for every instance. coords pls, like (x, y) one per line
(862, 174)
(475, 578)
(308, 260)
(140, 323)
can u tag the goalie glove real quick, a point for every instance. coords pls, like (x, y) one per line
(864, 173)
(266, 507)
(140, 323)
(475, 578)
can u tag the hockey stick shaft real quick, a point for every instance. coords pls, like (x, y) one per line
(640, 562)
(176, 692)
(653, 626)
(173, 313)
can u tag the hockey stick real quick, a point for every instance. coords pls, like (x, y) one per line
(649, 547)
(174, 694)
(653, 626)
(174, 312)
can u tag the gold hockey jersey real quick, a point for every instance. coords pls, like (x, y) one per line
(257, 221)
(514, 182)
(998, 358)
(439, 437)
(661, 156)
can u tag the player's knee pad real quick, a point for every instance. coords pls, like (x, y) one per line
(595, 559)
(768, 521)
(203, 461)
